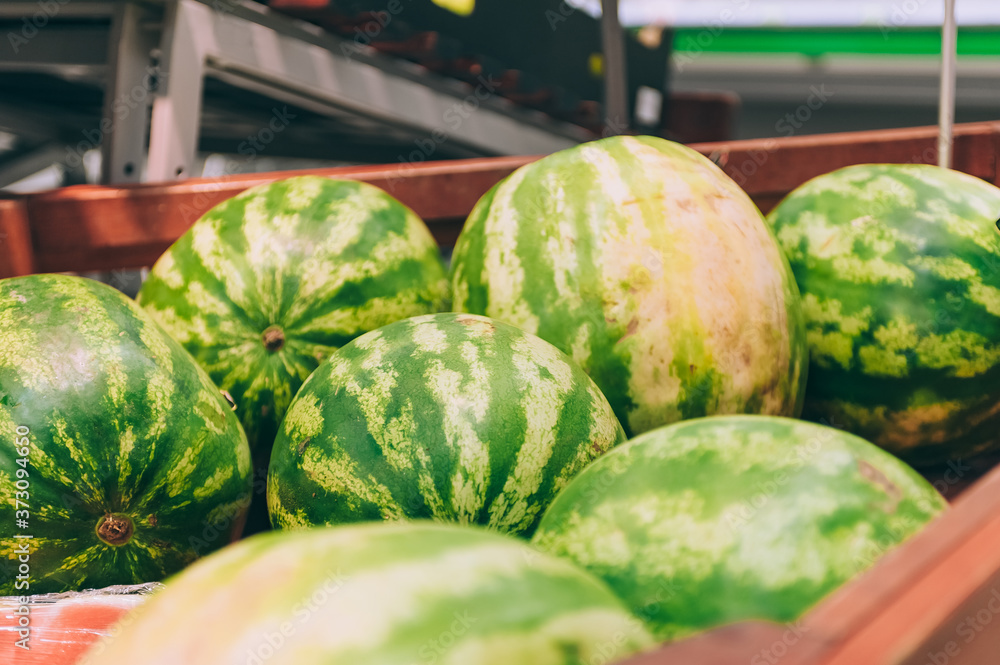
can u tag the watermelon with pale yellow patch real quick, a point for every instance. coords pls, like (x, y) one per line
(379, 594)
(899, 267)
(121, 462)
(452, 417)
(649, 266)
(717, 520)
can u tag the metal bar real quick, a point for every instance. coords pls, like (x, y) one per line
(60, 45)
(616, 117)
(174, 126)
(331, 75)
(36, 123)
(307, 33)
(29, 162)
(132, 80)
(58, 11)
(946, 103)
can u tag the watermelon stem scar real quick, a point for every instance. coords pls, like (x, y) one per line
(274, 338)
(115, 530)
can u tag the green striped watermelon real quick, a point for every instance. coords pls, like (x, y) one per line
(448, 416)
(899, 267)
(722, 519)
(379, 594)
(650, 267)
(121, 462)
(267, 284)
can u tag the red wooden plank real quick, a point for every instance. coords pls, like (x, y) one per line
(747, 642)
(770, 168)
(924, 594)
(91, 227)
(996, 158)
(16, 252)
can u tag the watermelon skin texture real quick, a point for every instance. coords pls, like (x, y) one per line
(319, 259)
(899, 268)
(729, 518)
(453, 417)
(379, 594)
(121, 422)
(650, 267)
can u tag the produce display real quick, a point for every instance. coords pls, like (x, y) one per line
(267, 284)
(649, 266)
(721, 519)
(624, 287)
(453, 417)
(383, 593)
(121, 462)
(899, 268)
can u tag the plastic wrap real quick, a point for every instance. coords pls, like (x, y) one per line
(62, 626)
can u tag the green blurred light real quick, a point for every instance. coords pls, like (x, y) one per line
(816, 42)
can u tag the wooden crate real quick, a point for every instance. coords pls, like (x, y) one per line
(91, 227)
(934, 601)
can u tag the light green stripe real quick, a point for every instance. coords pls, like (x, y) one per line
(502, 270)
(472, 468)
(339, 474)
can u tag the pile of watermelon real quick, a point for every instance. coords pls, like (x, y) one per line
(582, 442)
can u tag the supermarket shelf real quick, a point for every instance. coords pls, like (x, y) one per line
(291, 60)
(798, 93)
(161, 53)
(861, 79)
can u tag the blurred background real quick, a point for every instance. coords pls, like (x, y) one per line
(118, 92)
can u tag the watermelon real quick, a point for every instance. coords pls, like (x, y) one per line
(385, 594)
(899, 268)
(267, 284)
(121, 462)
(728, 518)
(650, 267)
(452, 417)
